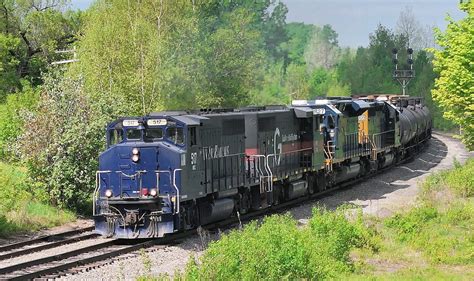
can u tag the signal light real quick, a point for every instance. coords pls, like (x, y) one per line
(410, 61)
(394, 51)
(410, 51)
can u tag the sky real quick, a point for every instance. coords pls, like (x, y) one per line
(353, 20)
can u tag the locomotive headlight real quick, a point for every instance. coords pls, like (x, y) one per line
(108, 193)
(153, 192)
(332, 133)
(135, 151)
(135, 157)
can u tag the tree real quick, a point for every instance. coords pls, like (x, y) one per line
(170, 54)
(369, 71)
(417, 36)
(38, 28)
(298, 36)
(322, 49)
(454, 88)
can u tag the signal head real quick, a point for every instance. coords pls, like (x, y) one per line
(410, 51)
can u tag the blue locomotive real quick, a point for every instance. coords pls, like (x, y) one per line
(171, 171)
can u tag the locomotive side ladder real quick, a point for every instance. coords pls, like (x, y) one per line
(329, 151)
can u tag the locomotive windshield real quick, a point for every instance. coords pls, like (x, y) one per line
(134, 134)
(152, 134)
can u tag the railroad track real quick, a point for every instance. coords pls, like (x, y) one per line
(107, 251)
(45, 242)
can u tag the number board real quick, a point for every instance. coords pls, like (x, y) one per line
(319, 111)
(130, 123)
(157, 122)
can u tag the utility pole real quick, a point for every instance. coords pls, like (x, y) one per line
(403, 76)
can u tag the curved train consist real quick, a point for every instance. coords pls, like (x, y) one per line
(172, 171)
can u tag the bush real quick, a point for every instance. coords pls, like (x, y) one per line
(20, 211)
(61, 143)
(441, 226)
(11, 117)
(279, 249)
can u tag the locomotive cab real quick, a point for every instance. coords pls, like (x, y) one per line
(138, 182)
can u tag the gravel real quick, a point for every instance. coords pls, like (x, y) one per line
(51, 252)
(380, 196)
(397, 188)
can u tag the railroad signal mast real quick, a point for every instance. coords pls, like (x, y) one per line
(403, 76)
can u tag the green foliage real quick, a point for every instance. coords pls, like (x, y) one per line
(11, 118)
(30, 32)
(9, 81)
(60, 143)
(19, 211)
(271, 89)
(443, 224)
(299, 34)
(280, 249)
(454, 88)
(369, 71)
(199, 54)
(322, 50)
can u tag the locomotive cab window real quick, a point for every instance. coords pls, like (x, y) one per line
(152, 134)
(193, 136)
(115, 136)
(134, 134)
(175, 135)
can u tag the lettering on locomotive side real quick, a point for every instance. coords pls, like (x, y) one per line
(214, 152)
(278, 141)
(290, 137)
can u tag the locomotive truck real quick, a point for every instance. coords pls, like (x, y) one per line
(172, 171)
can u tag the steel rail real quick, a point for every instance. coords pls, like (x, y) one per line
(44, 238)
(31, 273)
(48, 246)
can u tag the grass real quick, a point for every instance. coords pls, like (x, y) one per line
(19, 211)
(432, 241)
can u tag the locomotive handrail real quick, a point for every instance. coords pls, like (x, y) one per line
(270, 171)
(97, 188)
(177, 190)
(172, 182)
(131, 176)
(267, 171)
(377, 138)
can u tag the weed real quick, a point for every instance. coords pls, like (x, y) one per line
(146, 261)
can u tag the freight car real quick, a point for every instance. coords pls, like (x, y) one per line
(172, 171)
